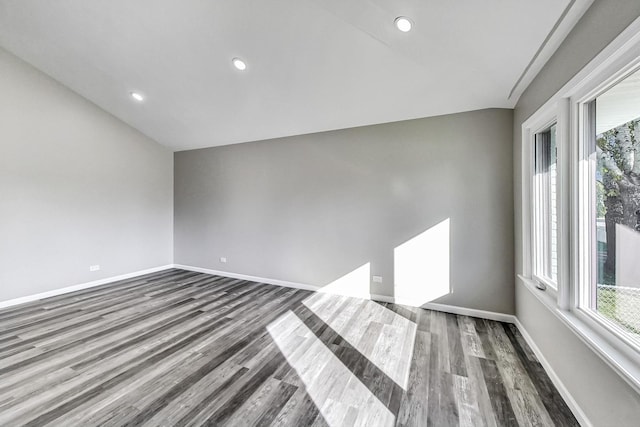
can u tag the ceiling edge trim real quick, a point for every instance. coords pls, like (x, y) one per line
(569, 18)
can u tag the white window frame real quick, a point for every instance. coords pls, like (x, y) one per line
(536, 235)
(540, 234)
(576, 216)
(584, 244)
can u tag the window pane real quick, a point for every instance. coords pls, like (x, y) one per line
(617, 205)
(553, 179)
(546, 206)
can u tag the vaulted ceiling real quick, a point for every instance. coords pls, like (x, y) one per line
(312, 65)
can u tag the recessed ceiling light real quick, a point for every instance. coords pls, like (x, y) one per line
(239, 64)
(403, 23)
(137, 96)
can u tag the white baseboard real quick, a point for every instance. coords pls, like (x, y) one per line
(55, 292)
(490, 315)
(483, 314)
(247, 277)
(501, 317)
(453, 309)
(573, 405)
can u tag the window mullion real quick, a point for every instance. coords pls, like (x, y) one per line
(564, 194)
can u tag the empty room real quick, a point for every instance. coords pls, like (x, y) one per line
(320, 213)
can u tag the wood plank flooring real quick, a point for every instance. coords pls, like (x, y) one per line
(178, 348)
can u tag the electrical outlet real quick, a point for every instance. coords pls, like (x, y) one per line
(94, 267)
(377, 279)
(223, 259)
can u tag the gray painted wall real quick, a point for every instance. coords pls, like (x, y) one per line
(605, 398)
(310, 209)
(77, 187)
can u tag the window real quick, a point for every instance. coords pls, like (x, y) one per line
(613, 142)
(580, 207)
(545, 208)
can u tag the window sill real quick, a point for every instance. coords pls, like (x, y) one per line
(613, 355)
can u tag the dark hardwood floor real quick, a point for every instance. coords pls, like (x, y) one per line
(179, 348)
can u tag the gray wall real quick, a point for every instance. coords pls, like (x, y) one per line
(605, 398)
(77, 187)
(310, 209)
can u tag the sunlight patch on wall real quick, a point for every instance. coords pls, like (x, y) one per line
(333, 388)
(421, 266)
(354, 284)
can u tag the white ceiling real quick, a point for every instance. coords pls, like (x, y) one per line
(313, 65)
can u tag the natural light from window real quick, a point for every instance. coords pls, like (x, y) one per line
(355, 283)
(334, 389)
(615, 291)
(422, 265)
(391, 353)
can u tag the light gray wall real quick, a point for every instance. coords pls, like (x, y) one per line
(605, 398)
(77, 188)
(310, 209)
